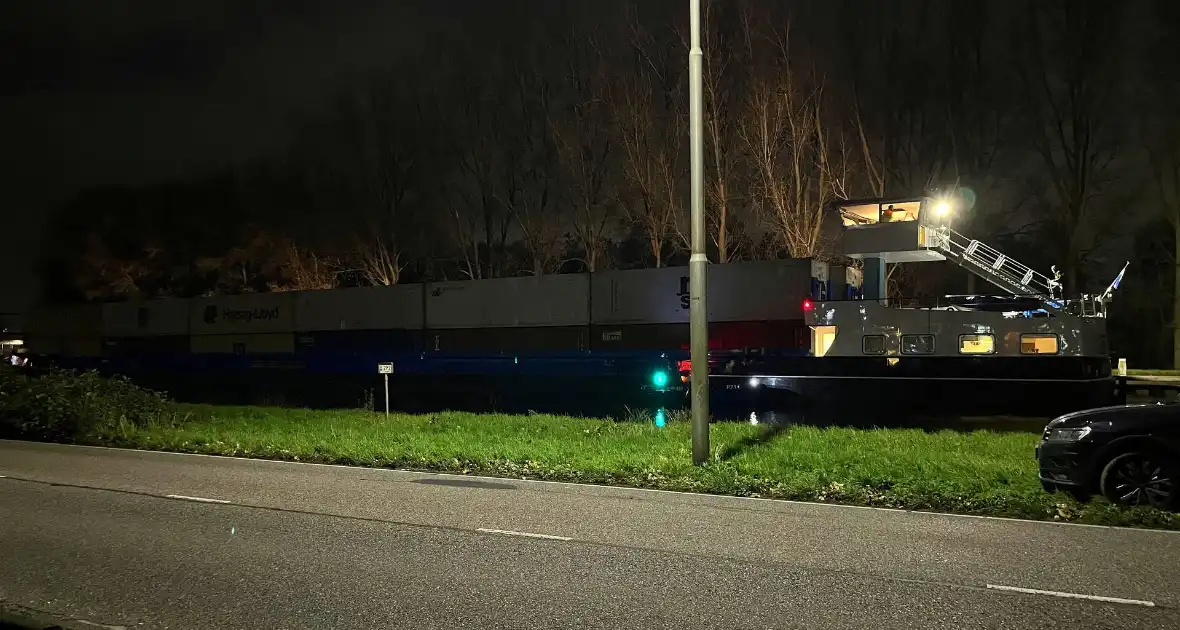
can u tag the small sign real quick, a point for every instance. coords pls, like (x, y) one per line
(385, 368)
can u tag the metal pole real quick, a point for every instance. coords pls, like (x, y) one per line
(698, 262)
(386, 396)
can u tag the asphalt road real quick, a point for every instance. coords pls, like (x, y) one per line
(90, 534)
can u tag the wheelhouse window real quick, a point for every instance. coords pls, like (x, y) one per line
(873, 344)
(897, 212)
(977, 344)
(1039, 343)
(873, 213)
(917, 344)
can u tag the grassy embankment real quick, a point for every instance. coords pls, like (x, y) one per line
(977, 472)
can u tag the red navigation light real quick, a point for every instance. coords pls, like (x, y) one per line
(808, 305)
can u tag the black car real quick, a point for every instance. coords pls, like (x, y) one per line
(1128, 453)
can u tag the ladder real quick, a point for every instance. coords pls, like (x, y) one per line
(1004, 272)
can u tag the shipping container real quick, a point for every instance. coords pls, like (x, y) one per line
(365, 308)
(261, 343)
(79, 320)
(62, 346)
(352, 341)
(250, 313)
(508, 340)
(553, 300)
(134, 346)
(746, 291)
(780, 335)
(154, 318)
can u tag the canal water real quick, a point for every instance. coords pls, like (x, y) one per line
(628, 400)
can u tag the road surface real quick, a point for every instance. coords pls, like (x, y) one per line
(158, 540)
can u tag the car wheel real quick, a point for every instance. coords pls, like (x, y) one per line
(1140, 478)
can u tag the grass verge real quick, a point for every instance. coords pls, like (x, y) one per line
(979, 472)
(1153, 373)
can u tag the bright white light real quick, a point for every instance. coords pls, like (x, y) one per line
(942, 209)
(754, 382)
(753, 417)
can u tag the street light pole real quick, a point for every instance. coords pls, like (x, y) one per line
(698, 315)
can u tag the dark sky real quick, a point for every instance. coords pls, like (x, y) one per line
(128, 92)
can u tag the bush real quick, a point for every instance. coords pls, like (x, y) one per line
(63, 404)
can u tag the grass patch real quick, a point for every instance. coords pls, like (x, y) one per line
(1153, 373)
(980, 472)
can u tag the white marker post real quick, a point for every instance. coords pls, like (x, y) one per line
(385, 369)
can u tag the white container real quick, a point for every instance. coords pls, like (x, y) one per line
(250, 313)
(365, 308)
(77, 320)
(552, 300)
(745, 291)
(262, 343)
(152, 318)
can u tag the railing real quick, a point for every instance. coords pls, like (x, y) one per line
(1082, 306)
(1006, 273)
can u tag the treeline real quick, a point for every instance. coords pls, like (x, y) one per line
(561, 145)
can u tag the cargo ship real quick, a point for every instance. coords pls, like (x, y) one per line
(1027, 353)
(783, 335)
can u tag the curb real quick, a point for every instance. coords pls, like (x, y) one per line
(14, 617)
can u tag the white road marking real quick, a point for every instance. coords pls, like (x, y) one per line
(508, 532)
(1097, 598)
(698, 495)
(197, 499)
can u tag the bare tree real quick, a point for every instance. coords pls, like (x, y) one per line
(486, 157)
(902, 131)
(928, 109)
(379, 262)
(101, 274)
(722, 70)
(465, 218)
(649, 120)
(304, 270)
(528, 188)
(374, 165)
(1159, 130)
(580, 130)
(799, 160)
(1069, 81)
(254, 265)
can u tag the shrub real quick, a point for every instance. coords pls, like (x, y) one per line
(63, 404)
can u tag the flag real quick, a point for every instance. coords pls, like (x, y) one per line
(1114, 285)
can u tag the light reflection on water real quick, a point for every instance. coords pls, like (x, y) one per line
(661, 417)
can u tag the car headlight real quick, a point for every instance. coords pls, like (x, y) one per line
(1067, 435)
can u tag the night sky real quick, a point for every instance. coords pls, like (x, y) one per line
(129, 92)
